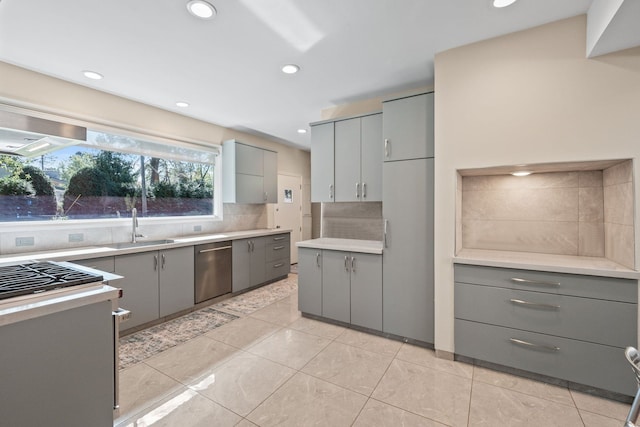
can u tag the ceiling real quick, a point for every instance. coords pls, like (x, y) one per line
(229, 68)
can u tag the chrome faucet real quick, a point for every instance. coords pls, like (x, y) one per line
(134, 226)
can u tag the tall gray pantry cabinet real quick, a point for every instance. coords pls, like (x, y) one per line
(407, 208)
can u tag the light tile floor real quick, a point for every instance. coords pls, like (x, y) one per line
(272, 367)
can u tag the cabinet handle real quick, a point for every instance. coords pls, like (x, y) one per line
(532, 345)
(386, 147)
(253, 246)
(279, 238)
(331, 191)
(364, 190)
(214, 249)
(277, 248)
(346, 263)
(534, 304)
(155, 263)
(265, 196)
(164, 261)
(278, 265)
(318, 259)
(248, 245)
(357, 190)
(534, 282)
(386, 222)
(353, 264)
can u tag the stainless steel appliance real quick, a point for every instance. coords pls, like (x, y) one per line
(213, 270)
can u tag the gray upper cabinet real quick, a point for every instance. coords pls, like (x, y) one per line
(249, 174)
(408, 128)
(408, 249)
(358, 159)
(322, 168)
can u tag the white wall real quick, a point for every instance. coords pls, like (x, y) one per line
(528, 97)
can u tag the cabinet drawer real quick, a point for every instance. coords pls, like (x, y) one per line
(104, 263)
(608, 288)
(585, 363)
(278, 250)
(598, 321)
(278, 268)
(278, 238)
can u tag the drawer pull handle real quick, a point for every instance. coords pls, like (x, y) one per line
(533, 282)
(532, 345)
(277, 248)
(318, 259)
(278, 265)
(279, 238)
(534, 304)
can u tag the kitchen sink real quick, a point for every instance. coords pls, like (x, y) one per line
(125, 245)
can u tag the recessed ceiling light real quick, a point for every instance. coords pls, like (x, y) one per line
(521, 173)
(201, 9)
(302, 131)
(503, 3)
(92, 75)
(182, 104)
(290, 69)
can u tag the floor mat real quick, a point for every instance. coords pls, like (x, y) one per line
(259, 298)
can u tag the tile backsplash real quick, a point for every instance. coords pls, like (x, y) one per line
(352, 220)
(236, 217)
(583, 213)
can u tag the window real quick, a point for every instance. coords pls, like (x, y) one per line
(106, 177)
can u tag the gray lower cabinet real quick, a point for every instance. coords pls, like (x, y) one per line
(343, 286)
(407, 208)
(57, 369)
(567, 326)
(156, 283)
(102, 263)
(249, 258)
(310, 281)
(278, 256)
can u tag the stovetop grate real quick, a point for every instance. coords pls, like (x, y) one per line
(24, 279)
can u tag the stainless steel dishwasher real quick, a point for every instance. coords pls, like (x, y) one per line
(213, 270)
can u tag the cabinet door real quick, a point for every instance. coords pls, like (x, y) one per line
(241, 264)
(347, 160)
(103, 263)
(371, 148)
(176, 280)
(408, 128)
(258, 260)
(310, 281)
(366, 290)
(249, 189)
(139, 286)
(408, 253)
(322, 163)
(336, 293)
(249, 160)
(270, 176)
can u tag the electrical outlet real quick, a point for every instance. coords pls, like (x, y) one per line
(25, 241)
(197, 228)
(76, 237)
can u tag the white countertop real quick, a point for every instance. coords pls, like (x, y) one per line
(96, 251)
(347, 245)
(593, 266)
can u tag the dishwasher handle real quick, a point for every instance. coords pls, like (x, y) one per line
(214, 249)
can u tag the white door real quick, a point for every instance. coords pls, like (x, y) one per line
(288, 214)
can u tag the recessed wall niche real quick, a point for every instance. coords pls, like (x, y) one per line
(578, 209)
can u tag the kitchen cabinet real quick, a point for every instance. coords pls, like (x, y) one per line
(408, 127)
(103, 263)
(341, 285)
(249, 263)
(407, 209)
(555, 324)
(358, 159)
(156, 283)
(310, 281)
(322, 158)
(278, 256)
(249, 174)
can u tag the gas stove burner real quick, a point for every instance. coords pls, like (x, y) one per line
(24, 279)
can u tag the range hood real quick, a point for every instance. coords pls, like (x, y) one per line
(22, 135)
